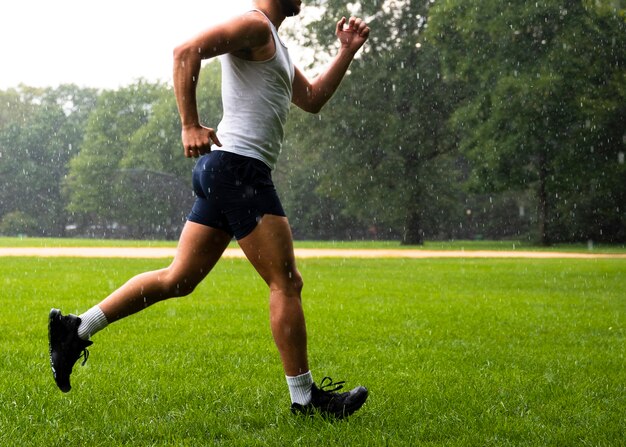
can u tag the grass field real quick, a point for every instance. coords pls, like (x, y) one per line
(455, 352)
(429, 245)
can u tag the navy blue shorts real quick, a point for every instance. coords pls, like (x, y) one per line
(233, 192)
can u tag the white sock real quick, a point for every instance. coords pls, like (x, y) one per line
(91, 322)
(300, 388)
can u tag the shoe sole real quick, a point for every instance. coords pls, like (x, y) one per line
(54, 314)
(360, 397)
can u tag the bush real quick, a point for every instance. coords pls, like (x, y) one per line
(19, 223)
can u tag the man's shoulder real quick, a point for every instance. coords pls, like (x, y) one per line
(253, 30)
(256, 22)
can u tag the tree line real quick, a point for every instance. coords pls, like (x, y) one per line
(473, 119)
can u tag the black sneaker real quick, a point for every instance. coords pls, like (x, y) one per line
(66, 347)
(328, 402)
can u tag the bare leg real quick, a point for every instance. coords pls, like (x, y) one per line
(199, 249)
(270, 250)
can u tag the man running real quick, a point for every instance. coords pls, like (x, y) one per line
(235, 194)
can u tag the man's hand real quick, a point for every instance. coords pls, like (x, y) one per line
(197, 140)
(311, 96)
(352, 34)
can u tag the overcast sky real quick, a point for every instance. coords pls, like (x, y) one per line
(102, 44)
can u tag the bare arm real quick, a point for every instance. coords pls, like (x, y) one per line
(243, 32)
(311, 96)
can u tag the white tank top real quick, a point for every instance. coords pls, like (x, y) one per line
(256, 96)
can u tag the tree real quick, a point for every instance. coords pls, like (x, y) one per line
(385, 126)
(544, 83)
(35, 149)
(95, 198)
(14, 109)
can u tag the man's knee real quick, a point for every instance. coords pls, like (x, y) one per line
(179, 285)
(298, 282)
(291, 285)
(182, 288)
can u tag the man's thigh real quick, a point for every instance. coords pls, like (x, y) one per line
(269, 247)
(199, 249)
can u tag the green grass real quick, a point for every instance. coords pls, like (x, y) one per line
(454, 351)
(61, 242)
(429, 245)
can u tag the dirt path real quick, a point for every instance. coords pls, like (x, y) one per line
(154, 252)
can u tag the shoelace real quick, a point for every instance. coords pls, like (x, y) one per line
(327, 383)
(84, 355)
